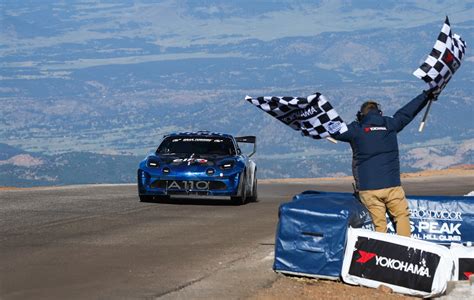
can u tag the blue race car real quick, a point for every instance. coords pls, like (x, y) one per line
(199, 163)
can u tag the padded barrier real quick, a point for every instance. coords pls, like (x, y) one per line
(441, 219)
(463, 261)
(406, 265)
(311, 233)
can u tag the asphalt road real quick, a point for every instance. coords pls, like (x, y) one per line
(99, 242)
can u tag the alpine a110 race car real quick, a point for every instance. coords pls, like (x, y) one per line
(199, 163)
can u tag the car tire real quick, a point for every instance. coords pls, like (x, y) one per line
(254, 195)
(242, 199)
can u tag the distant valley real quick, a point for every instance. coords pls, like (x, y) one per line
(88, 110)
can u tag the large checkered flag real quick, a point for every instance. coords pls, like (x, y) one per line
(314, 116)
(443, 61)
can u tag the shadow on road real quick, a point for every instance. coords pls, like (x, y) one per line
(195, 201)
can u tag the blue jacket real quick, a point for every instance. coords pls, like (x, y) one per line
(374, 145)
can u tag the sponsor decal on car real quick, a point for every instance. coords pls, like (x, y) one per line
(188, 185)
(190, 160)
(205, 140)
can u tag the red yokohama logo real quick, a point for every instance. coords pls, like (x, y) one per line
(365, 256)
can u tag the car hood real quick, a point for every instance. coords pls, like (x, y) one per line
(193, 162)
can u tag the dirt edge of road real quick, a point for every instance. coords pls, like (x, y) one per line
(461, 170)
(301, 288)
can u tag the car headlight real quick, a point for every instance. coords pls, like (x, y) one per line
(227, 165)
(153, 164)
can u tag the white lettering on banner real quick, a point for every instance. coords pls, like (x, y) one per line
(432, 231)
(398, 265)
(441, 225)
(435, 214)
(433, 227)
(434, 237)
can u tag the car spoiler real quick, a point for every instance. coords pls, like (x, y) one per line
(250, 140)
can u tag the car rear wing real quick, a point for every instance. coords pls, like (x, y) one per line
(249, 140)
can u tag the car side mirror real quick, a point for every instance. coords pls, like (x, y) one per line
(239, 151)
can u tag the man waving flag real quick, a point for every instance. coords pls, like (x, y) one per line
(314, 116)
(443, 61)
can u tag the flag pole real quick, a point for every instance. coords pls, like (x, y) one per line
(422, 124)
(332, 140)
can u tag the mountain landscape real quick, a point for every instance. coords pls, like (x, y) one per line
(89, 87)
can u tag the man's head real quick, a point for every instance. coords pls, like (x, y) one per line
(366, 107)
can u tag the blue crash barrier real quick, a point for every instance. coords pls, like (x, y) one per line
(441, 219)
(311, 232)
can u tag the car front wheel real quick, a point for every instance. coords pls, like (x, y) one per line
(242, 199)
(254, 195)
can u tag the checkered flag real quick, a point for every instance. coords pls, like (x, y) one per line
(443, 61)
(440, 65)
(314, 116)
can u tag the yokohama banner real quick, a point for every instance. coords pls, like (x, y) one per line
(406, 265)
(463, 261)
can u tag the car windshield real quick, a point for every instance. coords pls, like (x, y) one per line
(197, 145)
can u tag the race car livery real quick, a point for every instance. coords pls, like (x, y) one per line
(199, 163)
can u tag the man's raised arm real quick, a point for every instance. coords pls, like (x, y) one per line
(408, 112)
(346, 136)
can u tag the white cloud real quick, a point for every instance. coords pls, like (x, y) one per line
(86, 63)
